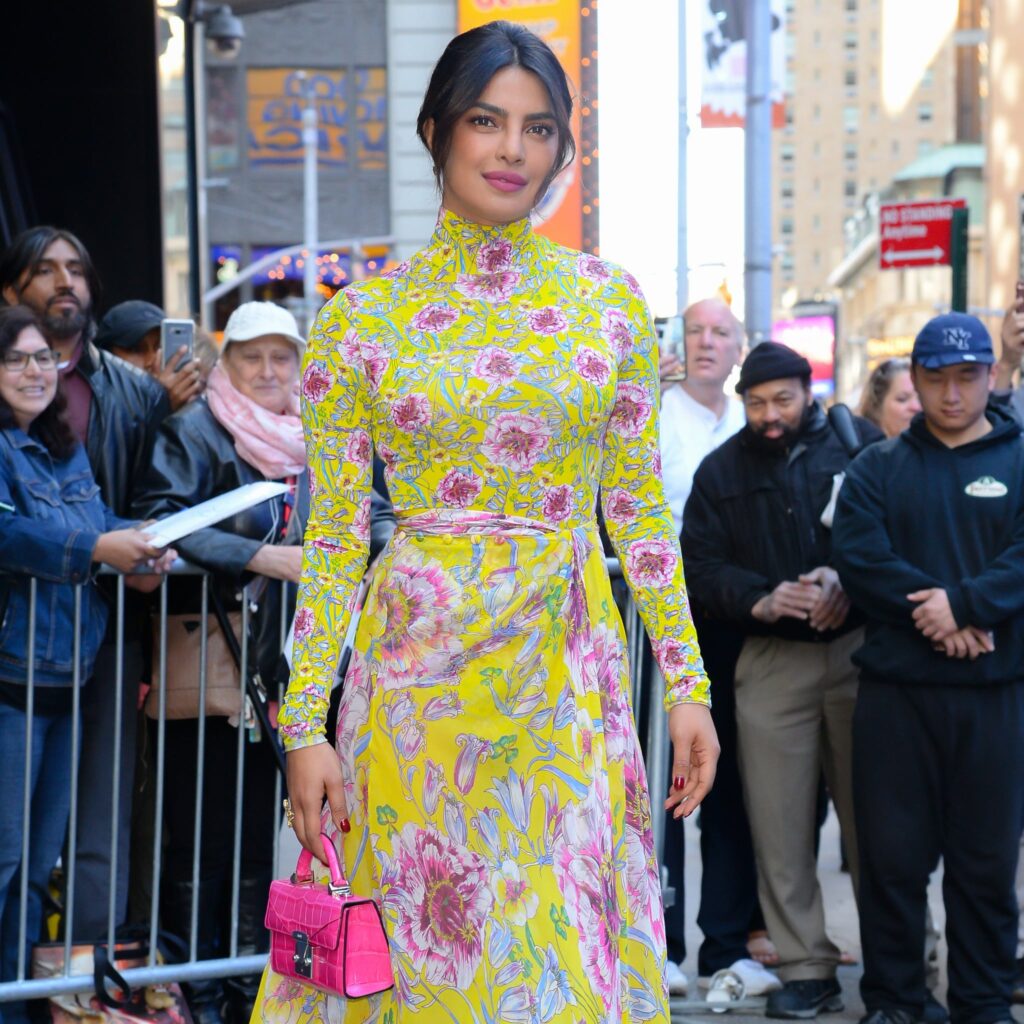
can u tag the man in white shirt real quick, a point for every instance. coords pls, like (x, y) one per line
(696, 417)
(696, 414)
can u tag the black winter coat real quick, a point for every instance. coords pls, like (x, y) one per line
(913, 515)
(127, 408)
(753, 520)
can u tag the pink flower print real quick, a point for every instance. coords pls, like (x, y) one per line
(631, 283)
(673, 656)
(593, 267)
(547, 320)
(387, 456)
(442, 898)
(592, 366)
(632, 407)
(303, 623)
(656, 463)
(516, 900)
(361, 521)
(458, 489)
(332, 547)
(495, 256)
(496, 366)
(558, 503)
(652, 563)
(496, 287)
(435, 318)
(433, 785)
(473, 753)
(409, 739)
(316, 382)
(446, 705)
(411, 412)
(517, 440)
(615, 328)
(399, 709)
(619, 505)
(359, 449)
(375, 360)
(420, 641)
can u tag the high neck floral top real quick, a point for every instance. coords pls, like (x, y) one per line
(494, 373)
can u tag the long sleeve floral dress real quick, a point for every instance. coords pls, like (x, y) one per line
(497, 796)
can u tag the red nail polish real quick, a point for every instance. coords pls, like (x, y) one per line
(679, 782)
(345, 826)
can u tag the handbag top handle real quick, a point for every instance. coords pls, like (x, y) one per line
(304, 869)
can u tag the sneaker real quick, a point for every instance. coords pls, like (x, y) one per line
(888, 1017)
(724, 987)
(677, 983)
(802, 1000)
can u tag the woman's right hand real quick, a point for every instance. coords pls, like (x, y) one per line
(125, 550)
(314, 772)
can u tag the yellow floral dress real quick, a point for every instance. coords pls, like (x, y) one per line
(497, 796)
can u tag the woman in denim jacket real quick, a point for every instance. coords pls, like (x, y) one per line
(55, 527)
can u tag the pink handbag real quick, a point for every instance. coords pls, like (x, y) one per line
(323, 936)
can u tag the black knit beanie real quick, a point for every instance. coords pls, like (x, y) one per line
(771, 360)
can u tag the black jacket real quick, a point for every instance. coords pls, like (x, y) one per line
(194, 459)
(914, 514)
(753, 521)
(127, 408)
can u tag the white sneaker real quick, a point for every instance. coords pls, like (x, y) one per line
(677, 983)
(757, 979)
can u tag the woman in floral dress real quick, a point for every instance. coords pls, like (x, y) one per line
(490, 791)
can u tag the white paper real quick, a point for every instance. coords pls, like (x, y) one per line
(181, 524)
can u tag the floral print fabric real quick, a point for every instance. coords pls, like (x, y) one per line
(498, 800)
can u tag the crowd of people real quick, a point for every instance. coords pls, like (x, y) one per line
(855, 582)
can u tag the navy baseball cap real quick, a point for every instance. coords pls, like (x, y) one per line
(127, 323)
(950, 339)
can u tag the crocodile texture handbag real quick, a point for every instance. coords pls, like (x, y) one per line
(323, 936)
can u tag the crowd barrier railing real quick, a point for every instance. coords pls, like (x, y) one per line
(644, 676)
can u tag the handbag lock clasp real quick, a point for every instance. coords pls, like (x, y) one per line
(303, 956)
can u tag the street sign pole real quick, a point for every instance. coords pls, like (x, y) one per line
(958, 259)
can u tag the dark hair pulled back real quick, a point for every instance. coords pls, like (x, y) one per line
(468, 63)
(879, 385)
(50, 427)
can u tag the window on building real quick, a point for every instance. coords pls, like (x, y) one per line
(786, 225)
(786, 191)
(850, 42)
(786, 154)
(849, 151)
(850, 77)
(928, 78)
(816, 222)
(924, 147)
(817, 38)
(817, 112)
(817, 257)
(850, 188)
(894, 147)
(851, 118)
(924, 113)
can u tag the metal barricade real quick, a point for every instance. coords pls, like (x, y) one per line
(643, 672)
(153, 972)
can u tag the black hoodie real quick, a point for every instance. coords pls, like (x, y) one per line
(914, 514)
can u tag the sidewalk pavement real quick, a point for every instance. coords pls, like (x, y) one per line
(840, 921)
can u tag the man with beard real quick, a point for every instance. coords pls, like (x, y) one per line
(114, 409)
(758, 556)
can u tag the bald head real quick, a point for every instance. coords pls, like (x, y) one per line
(714, 341)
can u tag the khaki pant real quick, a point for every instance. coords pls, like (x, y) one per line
(794, 714)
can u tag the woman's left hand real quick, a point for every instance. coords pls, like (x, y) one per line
(695, 757)
(146, 583)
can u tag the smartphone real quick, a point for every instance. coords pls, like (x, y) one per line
(672, 341)
(173, 335)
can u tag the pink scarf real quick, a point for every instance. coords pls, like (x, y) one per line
(270, 441)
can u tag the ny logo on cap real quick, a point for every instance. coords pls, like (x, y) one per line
(956, 337)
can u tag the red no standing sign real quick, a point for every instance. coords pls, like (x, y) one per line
(916, 234)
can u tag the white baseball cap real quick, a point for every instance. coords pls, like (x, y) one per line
(258, 319)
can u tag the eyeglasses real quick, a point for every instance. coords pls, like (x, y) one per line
(46, 359)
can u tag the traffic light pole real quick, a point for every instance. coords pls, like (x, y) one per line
(958, 259)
